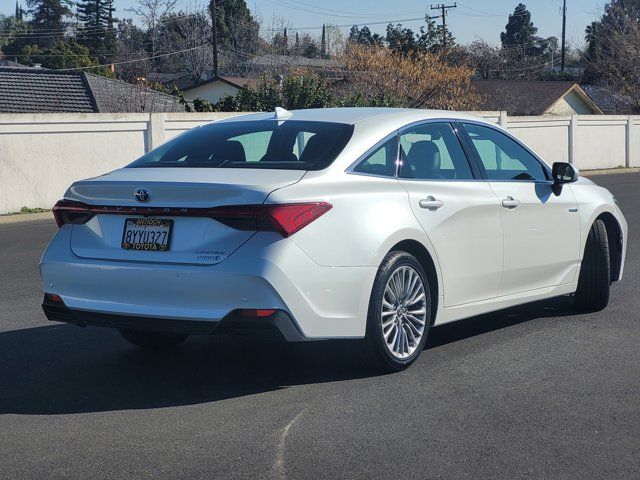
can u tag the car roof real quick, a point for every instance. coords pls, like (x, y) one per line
(355, 115)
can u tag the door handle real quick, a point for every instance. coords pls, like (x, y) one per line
(510, 203)
(431, 203)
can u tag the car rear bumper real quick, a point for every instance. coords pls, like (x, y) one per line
(278, 326)
(267, 272)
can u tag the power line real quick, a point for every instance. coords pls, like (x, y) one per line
(142, 59)
(57, 33)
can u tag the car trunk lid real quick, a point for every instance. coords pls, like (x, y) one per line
(175, 194)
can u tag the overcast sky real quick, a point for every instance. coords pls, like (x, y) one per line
(471, 20)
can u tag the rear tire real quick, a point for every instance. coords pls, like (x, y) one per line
(152, 340)
(399, 314)
(592, 294)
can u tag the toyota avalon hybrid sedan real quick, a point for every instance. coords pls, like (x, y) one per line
(355, 223)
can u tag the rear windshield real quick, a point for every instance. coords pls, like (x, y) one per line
(289, 144)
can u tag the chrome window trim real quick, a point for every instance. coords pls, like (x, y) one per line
(449, 120)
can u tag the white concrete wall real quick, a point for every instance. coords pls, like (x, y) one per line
(42, 154)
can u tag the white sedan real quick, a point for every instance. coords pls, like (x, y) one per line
(357, 223)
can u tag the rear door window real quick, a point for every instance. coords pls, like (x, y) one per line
(432, 151)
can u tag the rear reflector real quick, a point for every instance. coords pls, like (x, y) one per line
(285, 218)
(257, 313)
(52, 297)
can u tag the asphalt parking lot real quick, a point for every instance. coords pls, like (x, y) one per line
(532, 392)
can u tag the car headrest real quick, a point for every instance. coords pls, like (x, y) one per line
(423, 159)
(314, 149)
(231, 150)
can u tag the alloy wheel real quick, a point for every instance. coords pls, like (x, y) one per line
(403, 312)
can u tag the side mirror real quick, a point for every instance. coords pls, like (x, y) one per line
(564, 173)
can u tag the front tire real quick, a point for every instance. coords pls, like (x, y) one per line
(594, 282)
(399, 314)
(152, 340)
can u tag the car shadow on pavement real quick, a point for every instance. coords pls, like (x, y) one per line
(61, 369)
(478, 325)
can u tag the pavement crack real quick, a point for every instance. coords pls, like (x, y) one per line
(279, 470)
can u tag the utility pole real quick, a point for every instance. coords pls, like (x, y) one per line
(443, 8)
(214, 26)
(564, 33)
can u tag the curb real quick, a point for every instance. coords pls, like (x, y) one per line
(609, 171)
(25, 217)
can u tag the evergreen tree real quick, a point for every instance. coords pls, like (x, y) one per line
(309, 47)
(519, 29)
(520, 34)
(364, 36)
(401, 39)
(323, 42)
(236, 26)
(430, 38)
(48, 15)
(97, 32)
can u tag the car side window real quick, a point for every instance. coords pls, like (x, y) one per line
(432, 151)
(382, 161)
(502, 157)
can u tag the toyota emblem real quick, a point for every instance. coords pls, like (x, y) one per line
(142, 195)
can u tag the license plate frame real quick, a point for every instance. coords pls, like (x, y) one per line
(160, 225)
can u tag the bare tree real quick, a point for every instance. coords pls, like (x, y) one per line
(613, 63)
(335, 40)
(378, 76)
(485, 58)
(151, 12)
(130, 45)
(190, 33)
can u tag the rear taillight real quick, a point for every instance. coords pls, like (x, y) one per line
(68, 211)
(284, 218)
(289, 218)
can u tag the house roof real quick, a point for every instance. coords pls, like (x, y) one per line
(271, 60)
(609, 102)
(525, 97)
(5, 62)
(35, 91)
(112, 95)
(45, 91)
(237, 82)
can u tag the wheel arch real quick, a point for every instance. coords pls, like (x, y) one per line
(423, 256)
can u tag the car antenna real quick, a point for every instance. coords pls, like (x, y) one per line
(280, 113)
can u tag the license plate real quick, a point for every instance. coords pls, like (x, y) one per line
(150, 234)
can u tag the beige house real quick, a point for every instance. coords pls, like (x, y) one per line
(535, 97)
(217, 88)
